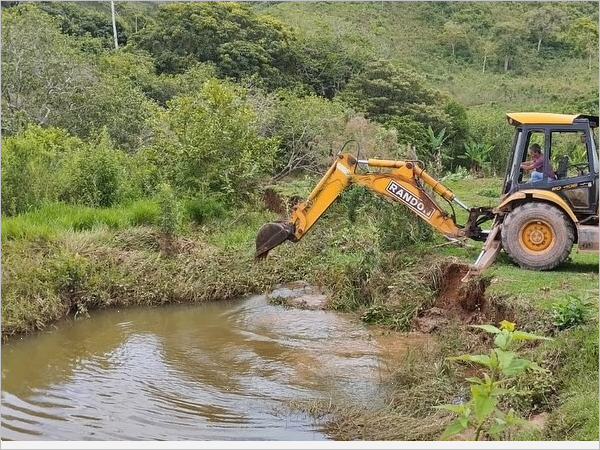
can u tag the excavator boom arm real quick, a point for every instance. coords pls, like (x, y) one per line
(404, 183)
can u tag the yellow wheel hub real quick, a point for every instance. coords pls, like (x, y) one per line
(537, 236)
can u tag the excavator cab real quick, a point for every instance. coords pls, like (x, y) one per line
(570, 154)
(542, 216)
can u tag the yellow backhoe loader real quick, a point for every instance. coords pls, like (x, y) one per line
(536, 222)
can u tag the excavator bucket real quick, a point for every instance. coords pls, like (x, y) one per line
(489, 252)
(270, 235)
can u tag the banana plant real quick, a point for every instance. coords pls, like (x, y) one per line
(478, 155)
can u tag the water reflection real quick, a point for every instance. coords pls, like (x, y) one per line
(208, 372)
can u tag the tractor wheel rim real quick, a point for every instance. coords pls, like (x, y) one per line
(537, 236)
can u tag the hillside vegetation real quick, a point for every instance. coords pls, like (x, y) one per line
(139, 175)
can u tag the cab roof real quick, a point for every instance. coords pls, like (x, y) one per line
(526, 118)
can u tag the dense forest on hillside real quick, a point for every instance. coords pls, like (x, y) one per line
(211, 96)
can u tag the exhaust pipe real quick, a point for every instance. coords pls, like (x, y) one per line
(270, 235)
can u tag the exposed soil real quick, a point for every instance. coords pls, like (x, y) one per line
(274, 202)
(457, 300)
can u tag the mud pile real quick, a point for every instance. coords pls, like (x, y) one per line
(456, 300)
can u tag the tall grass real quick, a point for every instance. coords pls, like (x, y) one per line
(54, 218)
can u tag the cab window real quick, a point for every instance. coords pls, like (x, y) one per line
(568, 154)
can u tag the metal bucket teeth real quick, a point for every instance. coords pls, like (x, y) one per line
(270, 235)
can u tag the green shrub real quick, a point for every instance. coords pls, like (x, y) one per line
(169, 214)
(460, 173)
(398, 228)
(491, 193)
(501, 366)
(354, 198)
(200, 210)
(569, 312)
(96, 175)
(31, 166)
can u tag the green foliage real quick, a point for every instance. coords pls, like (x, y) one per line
(51, 219)
(110, 103)
(353, 199)
(48, 81)
(502, 365)
(478, 156)
(144, 212)
(569, 312)
(201, 210)
(435, 146)
(310, 130)
(400, 98)
(32, 165)
(385, 91)
(398, 318)
(399, 228)
(79, 21)
(95, 177)
(583, 36)
(460, 173)
(240, 43)
(324, 67)
(169, 220)
(209, 142)
(42, 72)
(490, 131)
(491, 193)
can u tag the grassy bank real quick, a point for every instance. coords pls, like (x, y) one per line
(58, 261)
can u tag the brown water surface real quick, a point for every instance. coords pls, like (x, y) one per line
(219, 371)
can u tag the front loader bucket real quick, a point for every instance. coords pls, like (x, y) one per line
(270, 235)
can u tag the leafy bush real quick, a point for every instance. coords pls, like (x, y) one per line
(569, 312)
(169, 218)
(32, 162)
(354, 198)
(460, 173)
(398, 228)
(209, 143)
(478, 156)
(95, 177)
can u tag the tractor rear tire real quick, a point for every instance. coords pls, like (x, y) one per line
(537, 236)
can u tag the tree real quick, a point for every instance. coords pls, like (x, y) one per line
(41, 72)
(544, 21)
(384, 91)
(399, 98)
(208, 142)
(326, 63)
(228, 34)
(82, 21)
(488, 48)
(455, 35)
(309, 129)
(508, 37)
(583, 36)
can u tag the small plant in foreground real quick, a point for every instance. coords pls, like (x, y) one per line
(503, 366)
(569, 312)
